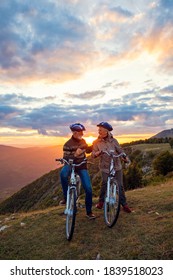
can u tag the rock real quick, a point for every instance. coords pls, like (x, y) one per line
(3, 228)
(98, 256)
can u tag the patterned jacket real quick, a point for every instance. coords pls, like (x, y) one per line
(70, 148)
(107, 144)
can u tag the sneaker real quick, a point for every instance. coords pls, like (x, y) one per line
(62, 202)
(127, 209)
(91, 216)
(99, 205)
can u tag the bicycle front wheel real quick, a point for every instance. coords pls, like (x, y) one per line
(112, 203)
(71, 214)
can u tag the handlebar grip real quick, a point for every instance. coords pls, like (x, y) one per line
(59, 159)
(124, 155)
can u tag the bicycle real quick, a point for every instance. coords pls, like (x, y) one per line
(73, 192)
(112, 195)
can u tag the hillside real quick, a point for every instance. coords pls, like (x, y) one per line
(165, 133)
(46, 191)
(40, 194)
(146, 233)
(21, 166)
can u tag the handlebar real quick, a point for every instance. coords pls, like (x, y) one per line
(70, 162)
(111, 153)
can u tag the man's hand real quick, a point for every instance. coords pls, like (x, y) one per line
(78, 152)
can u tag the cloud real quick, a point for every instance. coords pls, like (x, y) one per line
(56, 41)
(135, 109)
(168, 89)
(116, 84)
(14, 98)
(156, 35)
(87, 95)
(146, 29)
(31, 32)
(23, 101)
(8, 112)
(42, 131)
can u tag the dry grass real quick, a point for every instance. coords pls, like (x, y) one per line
(146, 233)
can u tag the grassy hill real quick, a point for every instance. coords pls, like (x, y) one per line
(164, 133)
(155, 147)
(40, 194)
(146, 233)
(46, 191)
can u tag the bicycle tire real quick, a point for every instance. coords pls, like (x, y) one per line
(112, 204)
(71, 214)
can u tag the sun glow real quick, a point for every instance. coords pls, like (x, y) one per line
(89, 139)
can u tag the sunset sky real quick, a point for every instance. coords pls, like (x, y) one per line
(67, 61)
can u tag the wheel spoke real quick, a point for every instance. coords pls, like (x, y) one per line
(112, 205)
(71, 214)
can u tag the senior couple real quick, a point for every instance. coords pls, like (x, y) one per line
(76, 148)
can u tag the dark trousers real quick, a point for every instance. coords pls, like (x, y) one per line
(119, 178)
(86, 183)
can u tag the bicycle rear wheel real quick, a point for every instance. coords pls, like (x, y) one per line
(78, 191)
(78, 186)
(112, 203)
(71, 214)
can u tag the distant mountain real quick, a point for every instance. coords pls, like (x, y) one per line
(44, 192)
(21, 166)
(165, 133)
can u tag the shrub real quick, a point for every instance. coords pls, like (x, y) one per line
(163, 164)
(133, 177)
(171, 143)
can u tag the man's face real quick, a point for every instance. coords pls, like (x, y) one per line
(78, 134)
(103, 132)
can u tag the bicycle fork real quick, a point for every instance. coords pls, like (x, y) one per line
(68, 210)
(111, 192)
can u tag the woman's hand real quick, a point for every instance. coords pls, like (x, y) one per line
(96, 154)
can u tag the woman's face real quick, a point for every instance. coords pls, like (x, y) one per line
(102, 132)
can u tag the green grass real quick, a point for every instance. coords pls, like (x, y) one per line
(156, 148)
(146, 233)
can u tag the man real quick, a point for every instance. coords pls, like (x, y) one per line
(75, 148)
(105, 141)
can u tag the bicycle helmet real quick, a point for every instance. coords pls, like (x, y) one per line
(77, 127)
(105, 125)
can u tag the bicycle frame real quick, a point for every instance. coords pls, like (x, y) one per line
(72, 197)
(71, 185)
(110, 177)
